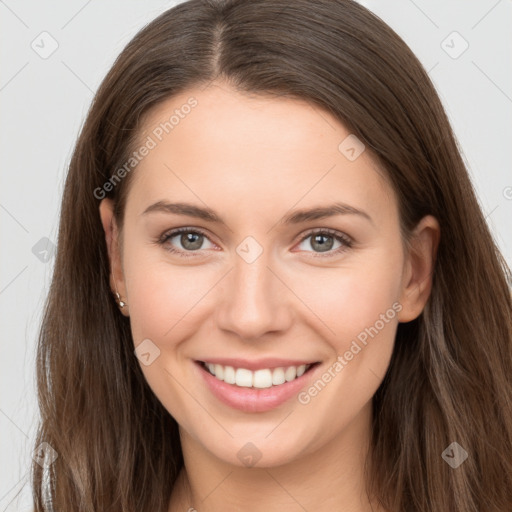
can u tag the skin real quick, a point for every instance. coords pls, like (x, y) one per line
(254, 159)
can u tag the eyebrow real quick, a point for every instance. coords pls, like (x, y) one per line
(295, 217)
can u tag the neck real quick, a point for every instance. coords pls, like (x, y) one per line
(326, 478)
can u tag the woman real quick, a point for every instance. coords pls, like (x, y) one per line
(274, 287)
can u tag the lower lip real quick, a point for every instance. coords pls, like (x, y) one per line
(253, 399)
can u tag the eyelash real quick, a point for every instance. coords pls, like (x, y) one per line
(340, 237)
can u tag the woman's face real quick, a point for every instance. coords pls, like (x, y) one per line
(254, 281)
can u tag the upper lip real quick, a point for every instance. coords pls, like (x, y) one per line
(256, 364)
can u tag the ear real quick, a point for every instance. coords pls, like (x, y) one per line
(418, 268)
(113, 247)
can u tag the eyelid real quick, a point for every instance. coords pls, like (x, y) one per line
(185, 229)
(334, 232)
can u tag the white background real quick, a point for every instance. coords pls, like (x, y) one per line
(44, 101)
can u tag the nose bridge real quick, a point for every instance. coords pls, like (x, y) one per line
(252, 303)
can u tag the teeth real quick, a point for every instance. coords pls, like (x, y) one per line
(243, 377)
(278, 376)
(229, 375)
(219, 370)
(290, 373)
(264, 378)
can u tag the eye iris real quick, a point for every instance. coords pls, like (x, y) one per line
(323, 247)
(191, 241)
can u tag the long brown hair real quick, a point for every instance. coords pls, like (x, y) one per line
(449, 379)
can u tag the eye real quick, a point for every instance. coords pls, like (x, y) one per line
(323, 240)
(191, 240)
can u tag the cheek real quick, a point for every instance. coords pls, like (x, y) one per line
(363, 315)
(162, 302)
(356, 308)
(352, 298)
(161, 294)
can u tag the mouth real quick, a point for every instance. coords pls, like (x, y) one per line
(257, 390)
(258, 379)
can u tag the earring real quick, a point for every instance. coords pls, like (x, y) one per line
(120, 302)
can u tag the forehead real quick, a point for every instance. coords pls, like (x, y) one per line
(253, 149)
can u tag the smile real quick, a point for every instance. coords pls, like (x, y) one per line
(264, 378)
(260, 389)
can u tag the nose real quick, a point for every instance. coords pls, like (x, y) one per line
(254, 300)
